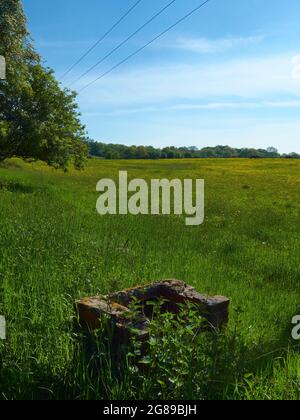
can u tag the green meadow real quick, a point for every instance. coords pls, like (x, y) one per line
(55, 248)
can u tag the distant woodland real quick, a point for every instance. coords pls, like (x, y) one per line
(118, 151)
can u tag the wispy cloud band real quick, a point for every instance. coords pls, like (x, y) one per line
(268, 81)
(211, 46)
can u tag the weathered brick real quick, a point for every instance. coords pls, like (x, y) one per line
(116, 306)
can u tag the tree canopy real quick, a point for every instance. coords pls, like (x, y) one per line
(117, 151)
(38, 119)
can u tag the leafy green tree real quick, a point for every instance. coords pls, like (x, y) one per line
(141, 153)
(153, 153)
(117, 151)
(129, 152)
(38, 119)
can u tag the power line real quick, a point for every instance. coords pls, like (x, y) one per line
(146, 45)
(125, 41)
(101, 39)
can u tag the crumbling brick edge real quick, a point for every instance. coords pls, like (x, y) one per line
(116, 307)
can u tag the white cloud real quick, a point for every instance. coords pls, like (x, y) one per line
(296, 67)
(162, 93)
(210, 46)
(209, 106)
(267, 80)
(238, 105)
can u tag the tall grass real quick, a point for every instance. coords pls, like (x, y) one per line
(54, 249)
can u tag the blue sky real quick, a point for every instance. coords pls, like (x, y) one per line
(228, 75)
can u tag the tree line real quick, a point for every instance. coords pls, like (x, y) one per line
(118, 151)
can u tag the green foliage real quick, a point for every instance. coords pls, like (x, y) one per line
(116, 151)
(183, 360)
(38, 120)
(55, 249)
